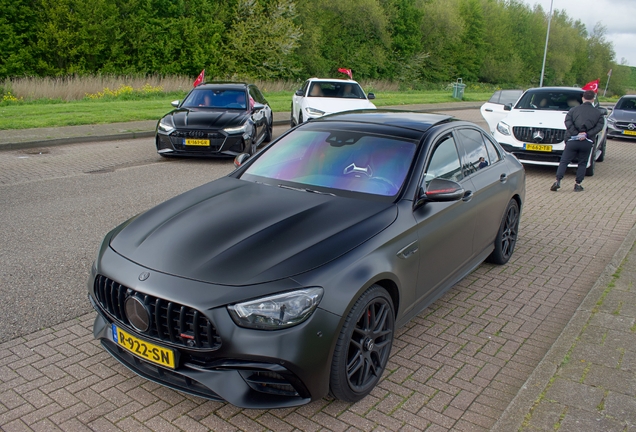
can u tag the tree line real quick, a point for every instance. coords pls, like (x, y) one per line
(414, 42)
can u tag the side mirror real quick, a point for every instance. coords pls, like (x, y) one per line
(603, 110)
(257, 106)
(441, 190)
(371, 96)
(508, 107)
(299, 92)
(175, 103)
(240, 159)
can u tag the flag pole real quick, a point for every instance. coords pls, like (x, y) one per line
(545, 52)
(609, 77)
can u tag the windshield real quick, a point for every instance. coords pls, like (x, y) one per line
(336, 160)
(555, 100)
(206, 98)
(627, 104)
(336, 89)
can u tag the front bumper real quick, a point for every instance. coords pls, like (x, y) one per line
(248, 368)
(619, 132)
(533, 157)
(220, 143)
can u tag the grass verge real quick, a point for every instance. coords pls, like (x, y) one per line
(48, 113)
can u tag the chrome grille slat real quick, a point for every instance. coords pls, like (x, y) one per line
(550, 136)
(170, 320)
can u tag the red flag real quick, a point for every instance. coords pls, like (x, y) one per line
(199, 79)
(592, 85)
(346, 71)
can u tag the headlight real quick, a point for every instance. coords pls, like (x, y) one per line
(166, 125)
(277, 311)
(611, 120)
(314, 112)
(503, 128)
(238, 129)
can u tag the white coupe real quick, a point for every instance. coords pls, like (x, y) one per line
(533, 128)
(318, 97)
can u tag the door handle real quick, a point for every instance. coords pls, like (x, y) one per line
(503, 178)
(468, 195)
(487, 110)
(409, 250)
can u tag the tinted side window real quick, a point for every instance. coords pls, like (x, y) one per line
(444, 162)
(476, 155)
(493, 153)
(257, 95)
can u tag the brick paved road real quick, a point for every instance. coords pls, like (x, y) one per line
(455, 366)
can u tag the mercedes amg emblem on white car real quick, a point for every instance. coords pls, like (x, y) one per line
(537, 136)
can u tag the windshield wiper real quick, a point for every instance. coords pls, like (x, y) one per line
(305, 190)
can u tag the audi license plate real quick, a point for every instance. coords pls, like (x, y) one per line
(197, 142)
(626, 132)
(146, 350)
(538, 147)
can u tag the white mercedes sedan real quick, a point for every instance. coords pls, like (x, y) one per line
(321, 96)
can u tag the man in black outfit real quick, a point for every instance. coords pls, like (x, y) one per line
(582, 122)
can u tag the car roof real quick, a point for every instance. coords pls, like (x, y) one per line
(333, 79)
(404, 119)
(221, 84)
(554, 89)
(627, 97)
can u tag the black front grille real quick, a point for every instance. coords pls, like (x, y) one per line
(170, 322)
(550, 136)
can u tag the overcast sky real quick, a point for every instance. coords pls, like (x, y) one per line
(618, 16)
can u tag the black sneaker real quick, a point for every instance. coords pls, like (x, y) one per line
(578, 188)
(555, 186)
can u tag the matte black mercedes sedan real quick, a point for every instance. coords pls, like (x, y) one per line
(216, 119)
(285, 280)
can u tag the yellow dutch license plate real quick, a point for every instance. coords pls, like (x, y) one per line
(197, 142)
(539, 147)
(146, 350)
(626, 132)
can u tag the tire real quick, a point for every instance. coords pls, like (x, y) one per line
(268, 132)
(363, 346)
(292, 122)
(506, 236)
(589, 171)
(601, 158)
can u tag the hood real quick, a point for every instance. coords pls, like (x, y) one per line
(536, 118)
(623, 115)
(234, 232)
(206, 118)
(334, 105)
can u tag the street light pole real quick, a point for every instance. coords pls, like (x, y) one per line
(545, 52)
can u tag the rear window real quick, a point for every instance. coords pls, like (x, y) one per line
(555, 100)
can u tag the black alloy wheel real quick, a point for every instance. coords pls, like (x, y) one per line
(364, 345)
(507, 235)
